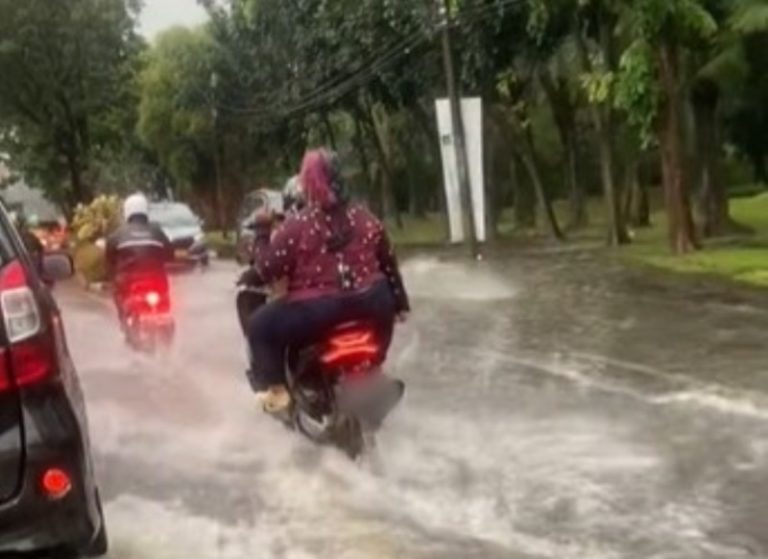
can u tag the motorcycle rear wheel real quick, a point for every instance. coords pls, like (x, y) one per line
(350, 437)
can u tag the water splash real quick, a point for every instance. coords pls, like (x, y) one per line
(432, 278)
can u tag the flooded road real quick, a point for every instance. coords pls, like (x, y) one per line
(557, 407)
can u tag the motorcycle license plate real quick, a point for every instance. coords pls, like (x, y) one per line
(181, 253)
(156, 320)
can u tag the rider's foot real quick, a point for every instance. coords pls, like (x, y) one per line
(276, 399)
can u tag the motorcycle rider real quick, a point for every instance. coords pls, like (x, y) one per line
(339, 266)
(136, 250)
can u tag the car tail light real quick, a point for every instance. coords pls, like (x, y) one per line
(31, 356)
(5, 378)
(56, 483)
(350, 347)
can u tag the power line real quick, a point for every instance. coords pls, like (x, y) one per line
(393, 45)
(365, 75)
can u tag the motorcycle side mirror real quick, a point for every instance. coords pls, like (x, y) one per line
(56, 266)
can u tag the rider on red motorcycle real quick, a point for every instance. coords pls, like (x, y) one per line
(137, 251)
(339, 267)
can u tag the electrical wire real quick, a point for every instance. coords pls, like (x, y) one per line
(335, 90)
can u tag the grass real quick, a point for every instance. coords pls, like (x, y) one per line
(742, 259)
(225, 248)
(426, 231)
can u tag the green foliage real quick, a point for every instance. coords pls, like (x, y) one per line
(750, 16)
(637, 92)
(598, 86)
(96, 220)
(176, 109)
(683, 20)
(66, 88)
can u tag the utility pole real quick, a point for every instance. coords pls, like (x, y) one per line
(222, 214)
(459, 139)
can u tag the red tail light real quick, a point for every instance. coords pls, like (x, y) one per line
(30, 357)
(350, 347)
(152, 298)
(5, 379)
(56, 484)
(148, 295)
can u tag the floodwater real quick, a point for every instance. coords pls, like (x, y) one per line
(558, 407)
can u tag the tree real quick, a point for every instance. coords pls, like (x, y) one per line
(563, 98)
(175, 112)
(598, 50)
(65, 91)
(654, 93)
(741, 69)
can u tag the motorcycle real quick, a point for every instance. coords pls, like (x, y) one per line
(340, 396)
(146, 314)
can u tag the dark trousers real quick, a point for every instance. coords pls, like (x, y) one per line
(278, 325)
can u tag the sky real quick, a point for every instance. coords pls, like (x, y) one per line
(162, 14)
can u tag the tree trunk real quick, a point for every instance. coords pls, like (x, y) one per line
(759, 170)
(415, 192)
(362, 154)
(602, 116)
(637, 207)
(528, 155)
(81, 193)
(388, 202)
(617, 230)
(682, 236)
(490, 160)
(564, 112)
(576, 197)
(713, 195)
(221, 210)
(329, 134)
(525, 199)
(428, 126)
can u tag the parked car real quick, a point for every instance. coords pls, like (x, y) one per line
(185, 231)
(251, 203)
(54, 236)
(49, 499)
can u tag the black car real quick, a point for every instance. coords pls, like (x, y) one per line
(49, 500)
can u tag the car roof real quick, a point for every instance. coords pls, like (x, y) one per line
(168, 205)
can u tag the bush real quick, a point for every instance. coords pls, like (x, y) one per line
(90, 223)
(224, 248)
(96, 220)
(90, 263)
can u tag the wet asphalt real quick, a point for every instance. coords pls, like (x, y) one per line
(558, 406)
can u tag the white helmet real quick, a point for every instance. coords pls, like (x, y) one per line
(135, 205)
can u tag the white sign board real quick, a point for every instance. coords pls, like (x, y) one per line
(472, 113)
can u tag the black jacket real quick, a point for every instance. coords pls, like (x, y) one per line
(137, 247)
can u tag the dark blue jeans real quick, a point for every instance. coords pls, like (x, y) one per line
(278, 325)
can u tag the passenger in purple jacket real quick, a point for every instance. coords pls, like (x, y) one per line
(339, 265)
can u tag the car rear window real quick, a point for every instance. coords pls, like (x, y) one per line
(174, 216)
(10, 241)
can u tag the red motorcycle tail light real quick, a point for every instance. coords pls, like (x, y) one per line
(152, 298)
(350, 347)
